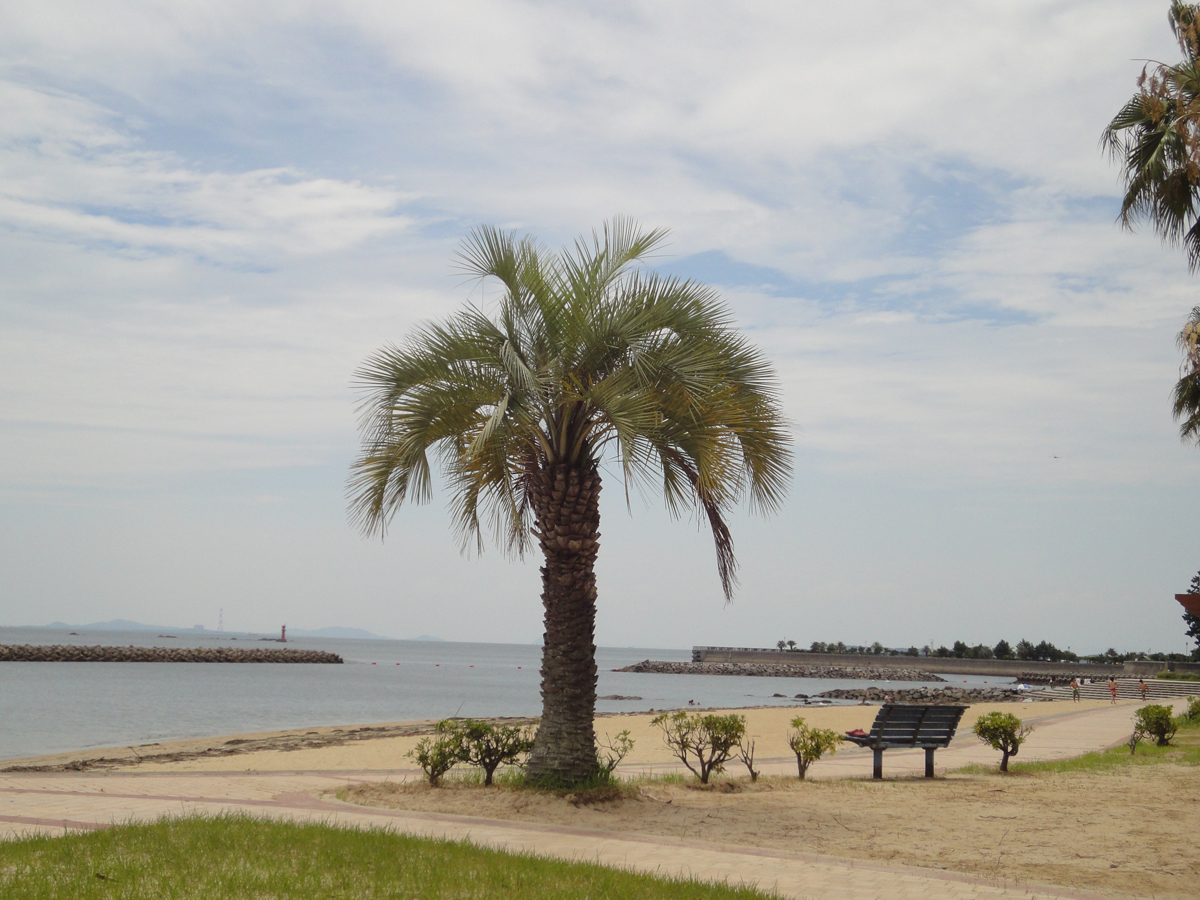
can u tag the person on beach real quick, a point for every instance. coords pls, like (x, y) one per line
(1142, 687)
(1075, 690)
(1112, 688)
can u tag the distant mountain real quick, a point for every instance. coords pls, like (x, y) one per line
(336, 632)
(129, 625)
(120, 625)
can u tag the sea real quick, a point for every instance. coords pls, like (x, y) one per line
(60, 707)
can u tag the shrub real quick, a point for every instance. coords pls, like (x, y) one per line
(437, 755)
(710, 739)
(1192, 713)
(810, 744)
(746, 754)
(1004, 732)
(488, 746)
(611, 751)
(1134, 739)
(1155, 721)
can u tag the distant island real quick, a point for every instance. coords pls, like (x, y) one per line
(332, 631)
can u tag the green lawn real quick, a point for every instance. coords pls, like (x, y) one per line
(1184, 750)
(228, 857)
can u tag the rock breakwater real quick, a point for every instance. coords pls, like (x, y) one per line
(73, 653)
(948, 696)
(781, 670)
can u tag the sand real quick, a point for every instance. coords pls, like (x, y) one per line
(383, 747)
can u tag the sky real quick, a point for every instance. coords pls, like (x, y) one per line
(212, 212)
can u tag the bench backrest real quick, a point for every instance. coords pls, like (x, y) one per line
(916, 725)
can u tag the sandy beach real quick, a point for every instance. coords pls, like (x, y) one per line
(383, 747)
(1127, 833)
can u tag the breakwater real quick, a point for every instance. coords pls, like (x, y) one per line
(777, 670)
(73, 653)
(947, 696)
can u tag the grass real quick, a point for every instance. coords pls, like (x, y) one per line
(236, 856)
(1178, 676)
(1184, 750)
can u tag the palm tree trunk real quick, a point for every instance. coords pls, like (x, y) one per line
(566, 506)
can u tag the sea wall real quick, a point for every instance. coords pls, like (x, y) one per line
(865, 673)
(73, 653)
(1013, 668)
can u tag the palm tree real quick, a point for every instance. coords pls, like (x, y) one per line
(588, 357)
(1186, 404)
(1156, 138)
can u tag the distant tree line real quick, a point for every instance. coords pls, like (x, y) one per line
(1024, 650)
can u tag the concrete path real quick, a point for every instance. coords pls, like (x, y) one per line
(59, 802)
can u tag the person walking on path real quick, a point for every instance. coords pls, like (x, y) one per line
(1074, 690)
(1112, 688)
(1142, 687)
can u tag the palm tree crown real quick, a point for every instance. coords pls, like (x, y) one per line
(587, 357)
(1156, 138)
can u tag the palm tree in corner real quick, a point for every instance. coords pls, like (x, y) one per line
(1156, 139)
(587, 358)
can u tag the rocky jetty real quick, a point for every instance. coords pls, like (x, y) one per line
(781, 670)
(1058, 679)
(948, 696)
(73, 653)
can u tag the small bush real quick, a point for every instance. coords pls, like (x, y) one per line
(1192, 713)
(746, 754)
(611, 751)
(437, 756)
(709, 739)
(1134, 739)
(1003, 732)
(489, 746)
(810, 744)
(1155, 721)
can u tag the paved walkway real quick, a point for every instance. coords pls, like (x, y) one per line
(39, 802)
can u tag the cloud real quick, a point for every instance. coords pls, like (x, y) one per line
(70, 173)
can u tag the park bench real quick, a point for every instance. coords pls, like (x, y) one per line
(927, 727)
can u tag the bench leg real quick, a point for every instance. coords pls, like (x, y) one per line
(929, 762)
(878, 773)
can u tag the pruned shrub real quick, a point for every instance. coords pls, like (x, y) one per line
(489, 746)
(1156, 722)
(1134, 739)
(437, 755)
(1003, 732)
(703, 743)
(611, 751)
(1192, 713)
(810, 744)
(746, 754)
